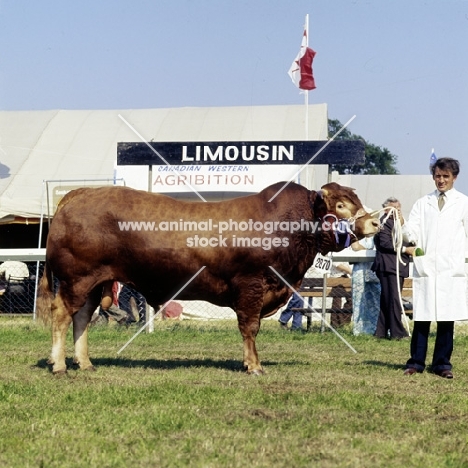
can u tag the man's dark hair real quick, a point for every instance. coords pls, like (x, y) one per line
(447, 164)
(390, 200)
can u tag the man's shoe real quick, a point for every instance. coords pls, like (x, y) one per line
(410, 371)
(284, 326)
(445, 374)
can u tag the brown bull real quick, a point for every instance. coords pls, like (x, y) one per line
(91, 243)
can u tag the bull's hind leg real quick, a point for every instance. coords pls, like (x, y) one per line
(61, 319)
(81, 321)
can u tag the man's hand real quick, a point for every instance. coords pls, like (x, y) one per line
(410, 250)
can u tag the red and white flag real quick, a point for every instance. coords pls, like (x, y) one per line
(301, 69)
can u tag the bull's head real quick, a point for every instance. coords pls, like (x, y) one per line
(342, 216)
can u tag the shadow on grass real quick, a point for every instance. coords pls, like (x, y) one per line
(388, 365)
(167, 364)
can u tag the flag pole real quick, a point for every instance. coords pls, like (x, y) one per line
(306, 27)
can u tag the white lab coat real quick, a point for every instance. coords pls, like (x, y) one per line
(439, 280)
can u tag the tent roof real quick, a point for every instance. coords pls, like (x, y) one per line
(36, 146)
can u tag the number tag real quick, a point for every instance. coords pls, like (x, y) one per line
(322, 264)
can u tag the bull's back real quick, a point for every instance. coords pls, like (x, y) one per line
(133, 231)
(110, 222)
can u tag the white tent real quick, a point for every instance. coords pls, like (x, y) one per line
(81, 145)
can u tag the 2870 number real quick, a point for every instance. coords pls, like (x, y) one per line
(322, 263)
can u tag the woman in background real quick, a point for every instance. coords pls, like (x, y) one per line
(365, 291)
(386, 267)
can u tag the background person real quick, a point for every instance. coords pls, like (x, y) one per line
(14, 268)
(133, 303)
(365, 291)
(438, 223)
(17, 271)
(389, 324)
(296, 302)
(114, 312)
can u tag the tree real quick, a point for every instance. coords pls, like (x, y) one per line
(378, 160)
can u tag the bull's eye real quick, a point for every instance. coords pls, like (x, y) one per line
(340, 205)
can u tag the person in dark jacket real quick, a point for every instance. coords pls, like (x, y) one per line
(389, 324)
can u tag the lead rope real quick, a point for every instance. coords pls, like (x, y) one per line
(397, 239)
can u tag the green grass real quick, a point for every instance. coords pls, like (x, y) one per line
(178, 397)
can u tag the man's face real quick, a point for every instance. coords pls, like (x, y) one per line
(443, 180)
(396, 205)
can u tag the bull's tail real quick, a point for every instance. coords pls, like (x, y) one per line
(45, 297)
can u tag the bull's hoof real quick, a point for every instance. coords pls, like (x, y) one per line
(84, 366)
(256, 372)
(89, 369)
(59, 372)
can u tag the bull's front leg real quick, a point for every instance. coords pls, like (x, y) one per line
(61, 320)
(249, 325)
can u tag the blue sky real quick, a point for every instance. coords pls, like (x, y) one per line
(400, 66)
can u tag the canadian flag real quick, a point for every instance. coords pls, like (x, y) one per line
(301, 69)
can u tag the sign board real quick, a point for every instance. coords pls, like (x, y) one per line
(181, 167)
(57, 189)
(269, 153)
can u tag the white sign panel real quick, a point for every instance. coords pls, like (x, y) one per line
(207, 178)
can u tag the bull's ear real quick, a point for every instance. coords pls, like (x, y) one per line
(326, 188)
(334, 186)
(330, 187)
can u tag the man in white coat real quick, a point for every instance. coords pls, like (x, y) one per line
(438, 224)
